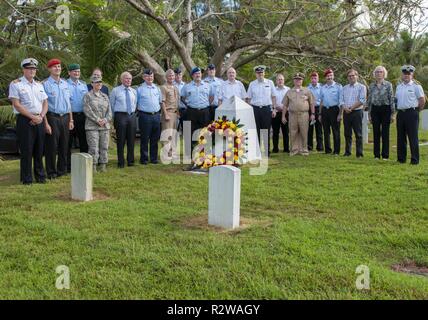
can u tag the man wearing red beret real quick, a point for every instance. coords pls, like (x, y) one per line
(58, 121)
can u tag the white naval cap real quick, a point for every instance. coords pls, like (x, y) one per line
(29, 63)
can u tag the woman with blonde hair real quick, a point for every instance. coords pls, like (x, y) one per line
(381, 111)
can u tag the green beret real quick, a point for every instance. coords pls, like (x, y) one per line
(73, 66)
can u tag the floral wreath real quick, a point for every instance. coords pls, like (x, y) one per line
(236, 142)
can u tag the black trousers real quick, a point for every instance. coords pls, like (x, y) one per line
(199, 118)
(183, 117)
(276, 126)
(407, 127)
(381, 120)
(318, 132)
(126, 127)
(78, 132)
(150, 128)
(330, 123)
(353, 122)
(56, 146)
(31, 140)
(212, 112)
(263, 118)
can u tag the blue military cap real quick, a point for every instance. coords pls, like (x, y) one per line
(29, 63)
(260, 68)
(211, 66)
(408, 69)
(177, 70)
(148, 71)
(194, 70)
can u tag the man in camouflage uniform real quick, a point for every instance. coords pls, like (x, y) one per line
(98, 116)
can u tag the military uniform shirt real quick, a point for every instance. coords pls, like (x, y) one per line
(260, 92)
(149, 98)
(179, 87)
(118, 99)
(58, 95)
(407, 95)
(279, 95)
(331, 95)
(215, 84)
(170, 96)
(298, 100)
(229, 89)
(96, 107)
(316, 91)
(197, 96)
(30, 94)
(77, 92)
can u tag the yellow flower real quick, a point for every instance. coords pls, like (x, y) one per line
(228, 154)
(238, 141)
(220, 132)
(230, 146)
(222, 160)
(241, 153)
(232, 126)
(236, 158)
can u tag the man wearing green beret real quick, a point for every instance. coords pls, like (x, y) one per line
(78, 89)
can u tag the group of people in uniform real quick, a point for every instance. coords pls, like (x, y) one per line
(54, 112)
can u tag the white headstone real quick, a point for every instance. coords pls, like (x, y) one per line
(81, 176)
(224, 196)
(425, 119)
(365, 127)
(240, 110)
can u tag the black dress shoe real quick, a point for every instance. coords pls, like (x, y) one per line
(287, 151)
(130, 164)
(143, 162)
(154, 162)
(121, 166)
(41, 181)
(27, 183)
(275, 151)
(347, 155)
(52, 177)
(414, 162)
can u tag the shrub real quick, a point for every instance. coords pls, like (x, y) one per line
(7, 117)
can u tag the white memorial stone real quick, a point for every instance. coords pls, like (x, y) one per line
(425, 120)
(224, 196)
(365, 127)
(81, 176)
(240, 110)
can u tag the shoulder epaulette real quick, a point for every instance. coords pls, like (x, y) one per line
(16, 81)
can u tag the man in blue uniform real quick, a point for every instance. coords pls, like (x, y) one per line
(215, 84)
(149, 100)
(58, 121)
(78, 89)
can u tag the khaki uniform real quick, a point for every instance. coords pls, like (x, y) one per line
(96, 106)
(171, 98)
(298, 104)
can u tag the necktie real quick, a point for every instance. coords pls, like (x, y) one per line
(128, 101)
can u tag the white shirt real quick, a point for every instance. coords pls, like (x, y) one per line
(407, 95)
(229, 89)
(279, 95)
(30, 94)
(260, 92)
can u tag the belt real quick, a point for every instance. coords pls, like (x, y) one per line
(53, 114)
(330, 107)
(77, 113)
(122, 112)
(149, 113)
(266, 106)
(198, 109)
(407, 109)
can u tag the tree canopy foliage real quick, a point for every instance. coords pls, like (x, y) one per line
(287, 36)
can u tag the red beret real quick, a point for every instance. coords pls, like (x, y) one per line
(327, 71)
(53, 62)
(314, 74)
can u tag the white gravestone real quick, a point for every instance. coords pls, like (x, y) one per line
(425, 119)
(81, 176)
(224, 196)
(240, 110)
(365, 127)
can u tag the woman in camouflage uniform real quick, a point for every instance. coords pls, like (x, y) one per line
(98, 116)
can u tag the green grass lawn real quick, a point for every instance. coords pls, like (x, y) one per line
(309, 223)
